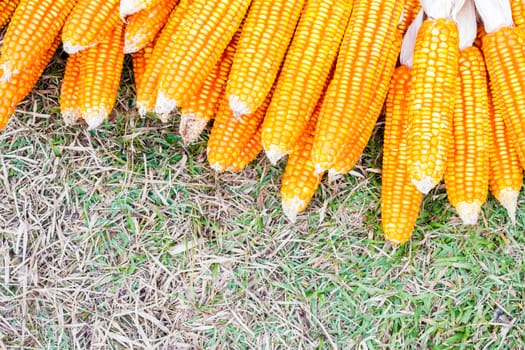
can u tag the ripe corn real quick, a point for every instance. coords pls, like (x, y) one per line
(69, 91)
(249, 152)
(140, 61)
(147, 94)
(357, 141)
(143, 26)
(31, 33)
(410, 10)
(129, 7)
(518, 12)
(90, 22)
(202, 37)
(362, 58)
(202, 107)
(100, 72)
(306, 68)
(7, 8)
(505, 59)
(431, 101)
(300, 180)
(230, 135)
(266, 35)
(467, 170)
(16, 89)
(505, 172)
(400, 200)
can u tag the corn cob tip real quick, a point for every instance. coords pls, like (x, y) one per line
(94, 121)
(509, 200)
(129, 7)
(425, 185)
(130, 46)
(395, 239)
(72, 49)
(164, 105)
(469, 212)
(291, 208)
(274, 154)
(238, 107)
(191, 127)
(70, 116)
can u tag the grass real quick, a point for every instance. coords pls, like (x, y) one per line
(125, 238)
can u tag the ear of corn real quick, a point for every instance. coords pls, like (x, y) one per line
(100, 70)
(129, 7)
(505, 172)
(265, 37)
(362, 58)
(400, 200)
(518, 12)
(69, 91)
(31, 33)
(431, 102)
(248, 153)
(410, 10)
(16, 89)
(203, 35)
(467, 171)
(140, 61)
(230, 135)
(147, 94)
(306, 67)
(300, 180)
(90, 22)
(7, 8)
(142, 27)
(505, 59)
(202, 107)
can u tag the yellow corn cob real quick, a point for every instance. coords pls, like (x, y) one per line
(140, 61)
(147, 94)
(518, 11)
(16, 89)
(100, 72)
(89, 23)
(400, 200)
(505, 59)
(143, 26)
(31, 33)
(505, 172)
(410, 10)
(203, 35)
(69, 91)
(203, 106)
(357, 141)
(7, 8)
(300, 181)
(467, 170)
(362, 58)
(230, 135)
(265, 37)
(249, 152)
(129, 7)
(431, 102)
(305, 70)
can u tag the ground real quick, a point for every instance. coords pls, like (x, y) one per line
(124, 238)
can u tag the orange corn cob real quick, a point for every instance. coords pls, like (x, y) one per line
(400, 200)
(142, 27)
(100, 72)
(16, 89)
(249, 152)
(90, 22)
(140, 61)
(357, 141)
(31, 33)
(306, 67)
(362, 58)
(230, 135)
(265, 37)
(505, 172)
(147, 94)
(129, 7)
(518, 11)
(202, 107)
(69, 91)
(410, 10)
(467, 171)
(505, 59)
(203, 35)
(7, 8)
(300, 181)
(431, 103)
